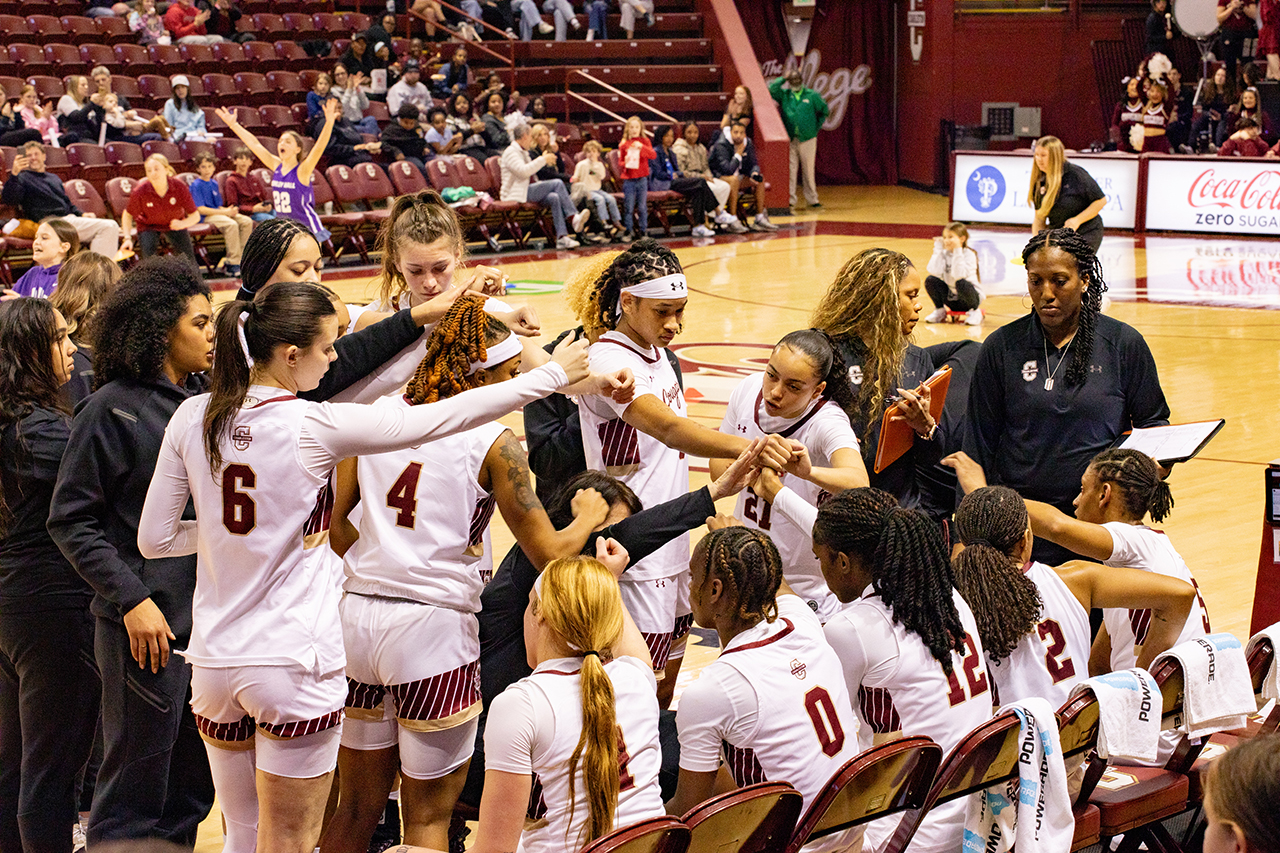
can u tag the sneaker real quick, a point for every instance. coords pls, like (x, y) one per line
(938, 315)
(494, 245)
(973, 317)
(626, 237)
(567, 242)
(703, 231)
(580, 220)
(573, 23)
(544, 28)
(233, 270)
(762, 220)
(724, 217)
(78, 838)
(595, 239)
(649, 19)
(815, 205)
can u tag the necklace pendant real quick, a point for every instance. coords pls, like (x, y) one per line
(1048, 384)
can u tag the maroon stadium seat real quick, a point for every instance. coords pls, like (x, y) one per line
(753, 819)
(252, 89)
(85, 196)
(125, 158)
(231, 58)
(79, 29)
(652, 835)
(406, 178)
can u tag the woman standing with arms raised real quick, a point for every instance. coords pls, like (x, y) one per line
(1063, 194)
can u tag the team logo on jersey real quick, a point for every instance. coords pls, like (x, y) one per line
(1030, 370)
(855, 374)
(240, 438)
(798, 669)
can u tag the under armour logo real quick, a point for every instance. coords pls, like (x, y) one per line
(1095, 368)
(742, 428)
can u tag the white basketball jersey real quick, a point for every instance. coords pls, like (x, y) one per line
(1051, 659)
(823, 429)
(262, 569)
(655, 472)
(554, 695)
(1136, 546)
(423, 519)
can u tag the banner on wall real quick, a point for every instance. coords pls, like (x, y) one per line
(849, 61)
(991, 186)
(1219, 196)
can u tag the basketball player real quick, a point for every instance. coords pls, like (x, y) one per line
(632, 306)
(774, 705)
(804, 395)
(413, 584)
(581, 733)
(266, 643)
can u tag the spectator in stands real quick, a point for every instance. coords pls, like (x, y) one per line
(1247, 141)
(84, 281)
(1159, 28)
(518, 167)
(740, 109)
(186, 119)
(443, 140)
(803, 112)
(385, 71)
(734, 160)
(1236, 22)
(1269, 39)
(498, 14)
(405, 140)
(632, 8)
(234, 226)
(495, 123)
(55, 241)
(1249, 106)
(409, 90)
(1216, 95)
(246, 192)
(381, 30)
(186, 23)
(79, 113)
(36, 194)
(587, 187)
(321, 91)
(432, 11)
(100, 79)
(161, 208)
(148, 24)
(634, 154)
(223, 17)
(562, 13)
(13, 130)
(347, 89)
(597, 10)
(357, 56)
(691, 157)
(538, 109)
(125, 125)
(105, 9)
(455, 75)
(347, 146)
(664, 174)
(529, 18)
(471, 128)
(41, 118)
(1180, 99)
(545, 143)
(494, 83)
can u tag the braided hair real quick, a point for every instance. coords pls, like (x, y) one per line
(461, 338)
(747, 561)
(828, 363)
(593, 294)
(906, 558)
(1090, 270)
(1006, 604)
(1138, 479)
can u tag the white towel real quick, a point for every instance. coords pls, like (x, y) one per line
(1129, 712)
(1216, 685)
(1042, 819)
(1271, 681)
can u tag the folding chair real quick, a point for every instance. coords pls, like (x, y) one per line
(345, 227)
(755, 819)
(654, 835)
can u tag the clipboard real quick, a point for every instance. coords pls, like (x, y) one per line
(1171, 443)
(897, 437)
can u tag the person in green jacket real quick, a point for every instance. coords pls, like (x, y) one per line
(803, 112)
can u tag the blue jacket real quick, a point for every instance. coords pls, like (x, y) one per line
(206, 194)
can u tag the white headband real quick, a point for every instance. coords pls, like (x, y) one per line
(505, 349)
(244, 341)
(672, 286)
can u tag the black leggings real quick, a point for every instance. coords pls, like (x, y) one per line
(148, 241)
(966, 298)
(701, 199)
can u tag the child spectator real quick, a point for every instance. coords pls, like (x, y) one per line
(246, 192)
(1247, 141)
(160, 207)
(186, 23)
(952, 282)
(405, 138)
(13, 130)
(40, 118)
(55, 241)
(125, 125)
(443, 140)
(186, 119)
(587, 185)
(234, 226)
(320, 92)
(634, 154)
(347, 89)
(455, 75)
(147, 23)
(470, 128)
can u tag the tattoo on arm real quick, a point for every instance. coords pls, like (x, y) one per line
(517, 463)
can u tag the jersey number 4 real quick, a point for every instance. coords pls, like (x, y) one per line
(239, 513)
(822, 712)
(974, 674)
(403, 495)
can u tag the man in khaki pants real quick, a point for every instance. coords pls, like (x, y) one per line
(803, 112)
(234, 225)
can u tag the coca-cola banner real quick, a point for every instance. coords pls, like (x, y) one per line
(991, 186)
(849, 61)
(1220, 196)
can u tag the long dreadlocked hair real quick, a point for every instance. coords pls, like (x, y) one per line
(422, 219)
(593, 292)
(1006, 604)
(1136, 475)
(907, 559)
(462, 337)
(862, 304)
(817, 346)
(748, 563)
(1090, 270)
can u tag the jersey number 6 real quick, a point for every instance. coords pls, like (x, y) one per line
(239, 514)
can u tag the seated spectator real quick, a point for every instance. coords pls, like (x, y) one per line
(529, 18)
(346, 145)
(148, 24)
(597, 12)
(405, 140)
(518, 167)
(234, 226)
(41, 118)
(471, 129)
(246, 192)
(105, 9)
(493, 83)
(186, 119)
(734, 160)
(665, 174)
(495, 122)
(55, 241)
(562, 13)
(432, 11)
(357, 56)
(537, 110)
(545, 143)
(320, 92)
(455, 75)
(347, 89)
(37, 195)
(1247, 141)
(223, 16)
(100, 82)
(409, 90)
(386, 71)
(79, 113)
(440, 137)
(691, 157)
(161, 208)
(630, 9)
(13, 130)
(634, 154)
(1249, 106)
(1181, 110)
(1216, 95)
(381, 31)
(588, 187)
(186, 23)
(125, 125)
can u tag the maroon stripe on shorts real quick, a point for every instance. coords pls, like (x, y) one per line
(366, 697)
(240, 730)
(440, 695)
(683, 625)
(659, 647)
(302, 727)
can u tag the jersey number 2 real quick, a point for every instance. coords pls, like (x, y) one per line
(403, 495)
(1060, 666)
(822, 711)
(239, 514)
(973, 673)
(749, 510)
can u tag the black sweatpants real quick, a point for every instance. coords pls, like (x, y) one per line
(48, 707)
(149, 241)
(154, 781)
(701, 199)
(966, 298)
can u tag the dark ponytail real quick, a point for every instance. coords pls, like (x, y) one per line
(1138, 479)
(821, 349)
(289, 313)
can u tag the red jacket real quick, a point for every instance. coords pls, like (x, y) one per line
(646, 154)
(1255, 147)
(178, 21)
(245, 192)
(151, 212)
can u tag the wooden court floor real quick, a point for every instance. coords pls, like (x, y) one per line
(1214, 361)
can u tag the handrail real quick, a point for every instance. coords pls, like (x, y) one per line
(509, 61)
(617, 91)
(488, 26)
(595, 106)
